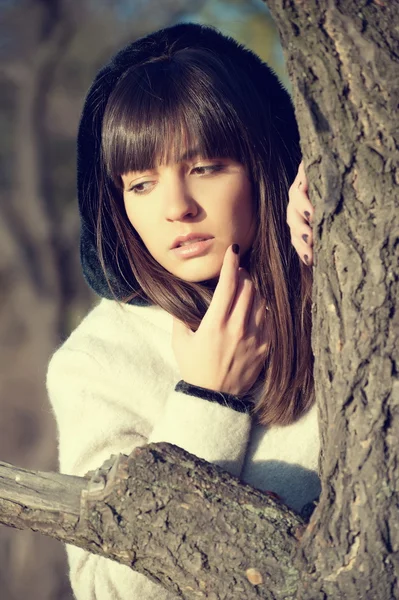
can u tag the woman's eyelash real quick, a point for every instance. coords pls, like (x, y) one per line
(135, 189)
(209, 169)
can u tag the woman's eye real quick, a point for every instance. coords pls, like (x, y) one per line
(141, 188)
(207, 169)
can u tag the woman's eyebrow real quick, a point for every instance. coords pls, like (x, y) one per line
(187, 155)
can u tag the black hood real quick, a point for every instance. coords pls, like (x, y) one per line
(89, 136)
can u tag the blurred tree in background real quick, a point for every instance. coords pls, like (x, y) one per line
(249, 22)
(49, 53)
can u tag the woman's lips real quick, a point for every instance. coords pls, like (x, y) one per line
(193, 248)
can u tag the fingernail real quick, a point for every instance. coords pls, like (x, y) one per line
(307, 214)
(306, 259)
(305, 238)
(236, 248)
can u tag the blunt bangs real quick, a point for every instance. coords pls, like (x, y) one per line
(167, 110)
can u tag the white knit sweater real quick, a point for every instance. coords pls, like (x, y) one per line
(111, 386)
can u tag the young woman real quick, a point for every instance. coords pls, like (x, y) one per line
(187, 149)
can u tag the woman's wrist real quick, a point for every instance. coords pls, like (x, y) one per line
(242, 404)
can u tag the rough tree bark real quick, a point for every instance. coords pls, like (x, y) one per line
(169, 515)
(343, 63)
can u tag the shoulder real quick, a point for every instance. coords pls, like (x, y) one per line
(110, 321)
(112, 330)
(110, 314)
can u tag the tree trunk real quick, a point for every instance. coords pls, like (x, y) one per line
(343, 63)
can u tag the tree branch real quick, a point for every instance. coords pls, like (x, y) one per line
(184, 523)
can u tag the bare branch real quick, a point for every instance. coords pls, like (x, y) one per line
(179, 520)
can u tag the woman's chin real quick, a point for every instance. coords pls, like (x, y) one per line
(196, 273)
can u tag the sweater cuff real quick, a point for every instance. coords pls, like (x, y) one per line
(209, 430)
(242, 405)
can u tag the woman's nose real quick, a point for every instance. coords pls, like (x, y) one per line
(179, 202)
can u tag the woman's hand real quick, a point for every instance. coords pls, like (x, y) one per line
(227, 352)
(300, 216)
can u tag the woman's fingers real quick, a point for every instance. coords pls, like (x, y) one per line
(233, 296)
(225, 291)
(299, 205)
(304, 251)
(298, 197)
(227, 351)
(301, 231)
(301, 181)
(300, 216)
(242, 304)
(302, 240)
(249, 312)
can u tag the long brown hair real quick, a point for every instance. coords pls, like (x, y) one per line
(189, 98)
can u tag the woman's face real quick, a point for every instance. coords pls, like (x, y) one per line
(210, 198)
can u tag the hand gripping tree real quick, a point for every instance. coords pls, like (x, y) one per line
(344, 67)
(211, 536)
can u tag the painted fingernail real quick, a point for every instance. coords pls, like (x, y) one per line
(305, 238)
(236, 248)
(306, 259)
(307, 214)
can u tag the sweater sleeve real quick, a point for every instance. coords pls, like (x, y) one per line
(212, 425)
(98, 415)
(93, 424)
